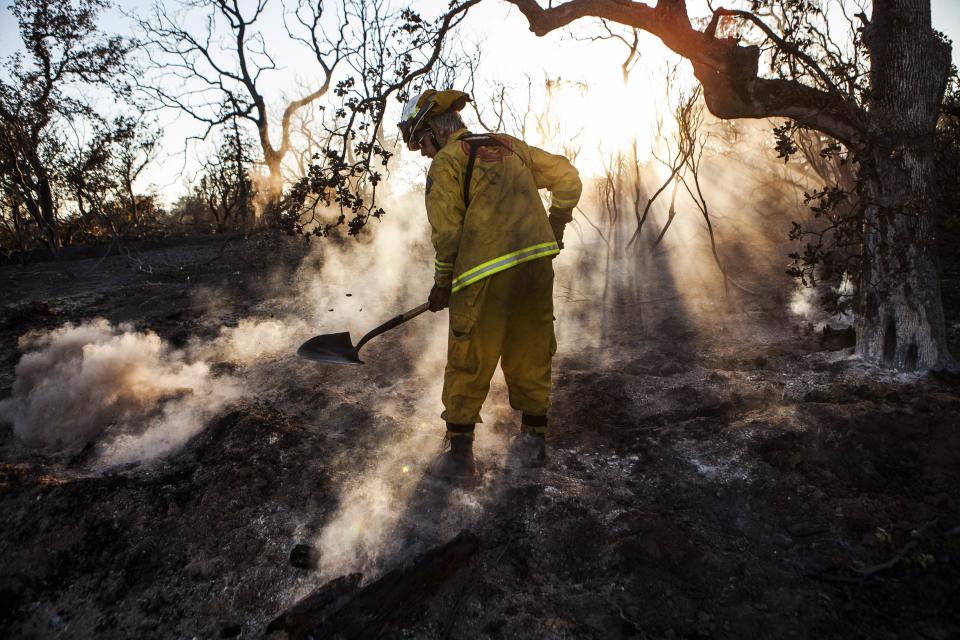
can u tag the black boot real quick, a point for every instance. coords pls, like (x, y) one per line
(530, 447)
(456, 463)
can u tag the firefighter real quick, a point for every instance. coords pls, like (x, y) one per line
(494, 244)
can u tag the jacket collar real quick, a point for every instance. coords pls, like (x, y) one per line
(462, 132)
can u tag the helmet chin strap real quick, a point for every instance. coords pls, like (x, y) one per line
(433, 135)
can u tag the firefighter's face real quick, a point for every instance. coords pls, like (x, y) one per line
(427, 148)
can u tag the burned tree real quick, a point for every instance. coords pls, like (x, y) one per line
(40, 104)
(16, 227)
(99, 175)
(211, 66)
(404, 54)
(629, 37)
(225, 186)
(887, 123)
(677, 160)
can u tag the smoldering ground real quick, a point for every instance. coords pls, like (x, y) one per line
(662, 412)
(131, 392)
(138, 397)
(603, 282)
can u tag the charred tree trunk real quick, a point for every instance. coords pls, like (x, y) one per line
(273, 190)
(44, 214)
(17, 225)
(243, 183)
(900, 321)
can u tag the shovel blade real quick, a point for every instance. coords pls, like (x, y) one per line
(333, 347)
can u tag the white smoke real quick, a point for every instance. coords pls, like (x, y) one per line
(389, 509)
(130, 392)
(805, 304)
(136, 397)
(361, 283)
(356, 536)
(254, 339)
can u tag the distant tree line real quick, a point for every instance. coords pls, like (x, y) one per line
(79, 134)
(75, 139)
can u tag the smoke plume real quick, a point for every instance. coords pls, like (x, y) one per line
(128, 391)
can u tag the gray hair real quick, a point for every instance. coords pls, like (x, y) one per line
(446, 123)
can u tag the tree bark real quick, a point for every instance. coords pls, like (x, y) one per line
(900, 323)
(44, 214)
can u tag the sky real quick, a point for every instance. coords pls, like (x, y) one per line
(511, 54)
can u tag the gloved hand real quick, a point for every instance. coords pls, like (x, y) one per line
(439, 298)
(558, 218)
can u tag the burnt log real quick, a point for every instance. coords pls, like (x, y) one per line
(835, 339)
(298, 622)
(337, 611)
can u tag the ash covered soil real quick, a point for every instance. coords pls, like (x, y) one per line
(713, 473)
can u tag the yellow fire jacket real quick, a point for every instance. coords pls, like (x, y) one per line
(504, 223)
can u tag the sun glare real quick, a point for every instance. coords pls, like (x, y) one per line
(609, 118)
(568, 88)
(602, 116)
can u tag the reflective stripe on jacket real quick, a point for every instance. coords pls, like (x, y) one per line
(505, 223)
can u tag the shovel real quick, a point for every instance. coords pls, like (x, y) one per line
(339, 349)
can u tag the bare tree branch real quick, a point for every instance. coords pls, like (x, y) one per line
(727, 70)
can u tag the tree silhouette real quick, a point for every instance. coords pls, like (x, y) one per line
(211, 58)
(39, 104)
(885, 115)
(398, 54)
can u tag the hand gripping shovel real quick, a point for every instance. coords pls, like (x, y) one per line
(338, 348)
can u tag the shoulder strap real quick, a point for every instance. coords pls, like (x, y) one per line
(475, 142)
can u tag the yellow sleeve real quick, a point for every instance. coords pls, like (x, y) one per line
(555, 173)
(445, 211)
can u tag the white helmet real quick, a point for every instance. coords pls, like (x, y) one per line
(428, 104)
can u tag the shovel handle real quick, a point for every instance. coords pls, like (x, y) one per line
(393, 322)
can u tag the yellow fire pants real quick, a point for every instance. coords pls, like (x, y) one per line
(507, 317)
